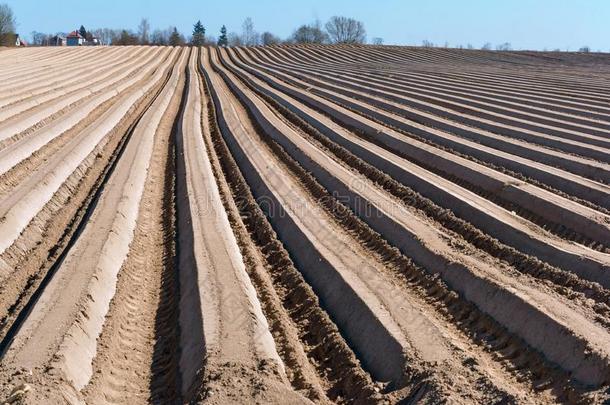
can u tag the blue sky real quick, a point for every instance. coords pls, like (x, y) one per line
(526, 24)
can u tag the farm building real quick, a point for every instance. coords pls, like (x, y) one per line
(57, 40)
(75, 39)
(19, 41)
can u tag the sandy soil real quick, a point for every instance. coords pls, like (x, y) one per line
(304, 224)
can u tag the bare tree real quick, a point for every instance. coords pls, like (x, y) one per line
(506, 46)
(234, 39)
(157, 38)
(270, 39)
(105, 35)
(7, 25)
(108, 36)
(377, 41)
(344, 30)
(585, 49)
(38, 38)
(167, 34)
(427, 44)
(211, 40)
(310, 34)
(486, 47)
(249, 36)
(144, 32)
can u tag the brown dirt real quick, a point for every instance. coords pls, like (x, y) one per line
(304, 224)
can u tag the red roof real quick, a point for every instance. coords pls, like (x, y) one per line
(74, 34)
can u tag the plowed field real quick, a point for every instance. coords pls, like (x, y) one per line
(297, 224)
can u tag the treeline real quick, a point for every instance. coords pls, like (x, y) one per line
(488, 46)
(506, 46)
(108, 36)
(338, 30)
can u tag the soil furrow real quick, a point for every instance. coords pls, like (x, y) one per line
(512, 193)
(525, 263)
(64, 355)
(304, 223)
(369, 243)
(136, 320)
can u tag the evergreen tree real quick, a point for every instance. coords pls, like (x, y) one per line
(82, 31)
(198, 34)
(223, 40)
(175, 39)
(126, 38)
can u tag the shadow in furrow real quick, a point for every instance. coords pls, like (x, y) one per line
(165, 375)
